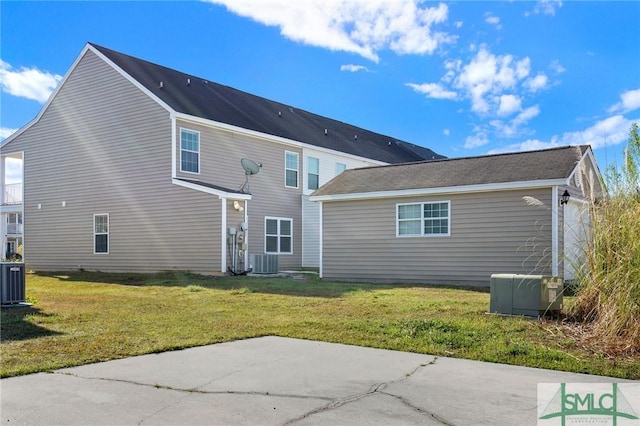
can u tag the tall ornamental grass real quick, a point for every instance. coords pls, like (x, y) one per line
(608, 295)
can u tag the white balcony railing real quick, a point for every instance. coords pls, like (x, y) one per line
(12, 194)
(14, 228)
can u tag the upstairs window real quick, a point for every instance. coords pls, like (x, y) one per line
(291, 169)
(189, 151)
(278, 235)
(424, 219)
(313, 175)
(101, 233)
(340, 167)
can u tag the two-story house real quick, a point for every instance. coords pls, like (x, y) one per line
(132, 166)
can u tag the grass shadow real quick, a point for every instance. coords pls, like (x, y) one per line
(293, 284)
(15, 324)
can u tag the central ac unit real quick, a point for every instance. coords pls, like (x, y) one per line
(528, 295)
(264, 263)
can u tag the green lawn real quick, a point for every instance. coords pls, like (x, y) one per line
(87, 317)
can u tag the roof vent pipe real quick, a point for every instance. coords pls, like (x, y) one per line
(325, 131)
(279, 113)
(355, 137)
(188, 82)
(161, 85)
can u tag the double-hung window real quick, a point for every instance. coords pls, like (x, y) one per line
(101, 233)
(189, 151)
(291, 169)
(313, 175)
(278, 235)
(424, 219)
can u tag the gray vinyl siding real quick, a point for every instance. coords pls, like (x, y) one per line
(310, 233)
(495, 232)
(103, 146)
(220, 155)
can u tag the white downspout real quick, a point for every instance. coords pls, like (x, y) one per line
(246, 236)
(321, 238)
(223, 237)
(173, 146)
(554, 230)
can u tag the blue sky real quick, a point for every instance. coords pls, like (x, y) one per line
(462, 78)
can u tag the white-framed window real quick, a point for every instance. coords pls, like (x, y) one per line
(101, 233)
(423, 219)
(290, 169)
(278, 235)
(313, 173)
(340, 167)
(189, 151)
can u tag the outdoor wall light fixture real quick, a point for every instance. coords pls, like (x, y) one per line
(564, 198)
(238, 206)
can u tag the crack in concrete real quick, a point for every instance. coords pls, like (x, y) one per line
(196, 390)
(334, 403)
(434, 416)
(377, 388)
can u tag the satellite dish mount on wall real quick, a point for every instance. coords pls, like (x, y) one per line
(250, 168)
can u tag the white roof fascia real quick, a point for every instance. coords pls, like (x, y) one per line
(46, 105)
(220, 194)
(270, 138)
(588, 154)
(489, 187)
(86, 48)
(129, 78)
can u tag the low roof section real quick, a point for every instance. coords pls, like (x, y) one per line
(542, 168)
(199, 97)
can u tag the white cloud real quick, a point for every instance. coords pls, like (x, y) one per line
(363, 27)
(433, 90)
(557, 67)
(353, 68)
(446, 132)
(514, 127)
(498, 88)
(493, 20)
(607, 132)
(490, 74)
(629, 101)
(509, 104)
(537, 83)
(478, 139)
(546, 7)
(5, 132)
(458, 24)
(526, 115)
(30, 83)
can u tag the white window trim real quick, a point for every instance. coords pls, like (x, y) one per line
(309, 158)
(422, 219)
(287, 169)
(188, 150)
(279, 234)
(102, 233)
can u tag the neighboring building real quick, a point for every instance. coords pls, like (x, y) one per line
(131, 166)
(459, 220)
(10, 216)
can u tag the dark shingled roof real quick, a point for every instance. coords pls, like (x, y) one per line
(555, 163)
(212, 101)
